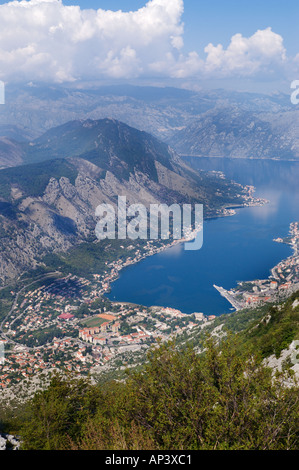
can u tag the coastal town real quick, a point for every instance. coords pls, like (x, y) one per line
(68, 324)
(282, 282)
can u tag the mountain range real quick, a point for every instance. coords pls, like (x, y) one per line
(210, 123)
(233, 132)
(49, 206)
(60, 157)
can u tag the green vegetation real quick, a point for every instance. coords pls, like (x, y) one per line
(275, 331)
(223, 399)
(42, 336)
(96, 141)
(33, 179)
(199, 392)
(82, 311)
(90, 257)
(268, 329)
(126, 329)
(6, 301)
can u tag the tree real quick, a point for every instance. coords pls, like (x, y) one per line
(82, 311)
(54, 417)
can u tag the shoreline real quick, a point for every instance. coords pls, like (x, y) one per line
(227, 211)
(273, 159)
(279, 286)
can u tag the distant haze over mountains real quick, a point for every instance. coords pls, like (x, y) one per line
(237, 133)
(207, 123)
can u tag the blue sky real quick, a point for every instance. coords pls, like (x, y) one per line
(196, 41)
(217, 20)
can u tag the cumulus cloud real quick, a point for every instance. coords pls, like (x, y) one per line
(47, 40)
(44, 39)
(262, 51)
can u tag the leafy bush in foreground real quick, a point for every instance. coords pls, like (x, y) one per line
(222, 399)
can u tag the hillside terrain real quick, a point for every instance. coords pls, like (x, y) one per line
(269, 331)
(228, 386)
(11, 153)
(49, 206)
(233, 132)
(225, 383)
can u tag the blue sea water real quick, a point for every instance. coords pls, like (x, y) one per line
(236, 248)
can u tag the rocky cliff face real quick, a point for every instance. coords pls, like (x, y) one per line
(9, 442)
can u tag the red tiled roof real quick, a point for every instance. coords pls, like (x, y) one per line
(66, 316)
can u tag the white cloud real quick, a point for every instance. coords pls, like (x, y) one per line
(46, 40)
(263, 51)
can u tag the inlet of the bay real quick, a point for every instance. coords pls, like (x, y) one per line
(236, 248)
